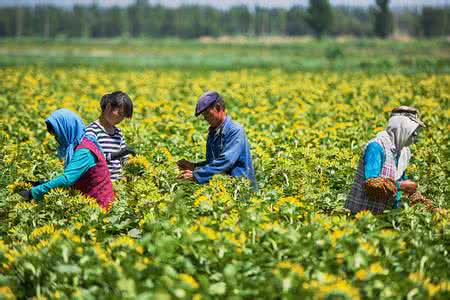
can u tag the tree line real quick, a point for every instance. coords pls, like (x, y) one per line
(142, 19)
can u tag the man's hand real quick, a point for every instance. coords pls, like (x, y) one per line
(408, 186)
(186, 175)
(185, 165)
(26, 194)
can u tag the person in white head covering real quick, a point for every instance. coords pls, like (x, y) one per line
(386, 156)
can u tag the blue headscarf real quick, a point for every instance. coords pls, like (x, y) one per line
(70, 130)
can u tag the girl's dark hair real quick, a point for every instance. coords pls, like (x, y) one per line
(118, 100)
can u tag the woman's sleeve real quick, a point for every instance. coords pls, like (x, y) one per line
(81, 162)
(373, 160)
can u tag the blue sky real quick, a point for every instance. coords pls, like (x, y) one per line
(228, 3)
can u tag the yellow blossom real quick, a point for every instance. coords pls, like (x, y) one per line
(209, 232)
(362, 214)
(292, 266)
(46, 229)
(6, 293)
(285, 200)
(189, 280)
(361, 274)
(376, 268)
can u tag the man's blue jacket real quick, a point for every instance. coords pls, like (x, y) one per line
(228, 152)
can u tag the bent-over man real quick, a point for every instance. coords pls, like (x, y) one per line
(227, 147)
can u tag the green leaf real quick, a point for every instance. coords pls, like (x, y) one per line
(229, 271)
(218, 288)
(127, 286)
(29, 266)
(70, 269)
(134, 233)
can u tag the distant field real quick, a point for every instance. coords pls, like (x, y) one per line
(229, 54)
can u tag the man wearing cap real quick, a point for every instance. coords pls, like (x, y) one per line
(227, 147)
(383, 163)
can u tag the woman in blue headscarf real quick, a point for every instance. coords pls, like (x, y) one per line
(85, 167)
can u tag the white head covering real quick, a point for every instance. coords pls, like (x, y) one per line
(400, 130)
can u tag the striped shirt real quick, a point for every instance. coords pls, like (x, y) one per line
(110, 144)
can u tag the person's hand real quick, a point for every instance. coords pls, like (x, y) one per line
(35, 183)
(26, 194)
(186, 175)
(185, 165)
(125, 151)
(130, 150)
(408, 186)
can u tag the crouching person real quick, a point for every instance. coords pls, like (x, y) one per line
(380, 177)
(85, 167)
(227, 147)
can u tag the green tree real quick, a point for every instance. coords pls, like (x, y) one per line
(296, 21)
(384, 24)
(137, 16)
(320, 16)
(81, 25)
(237, 20)
(435, 21)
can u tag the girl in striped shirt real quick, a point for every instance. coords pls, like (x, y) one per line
(115, 107)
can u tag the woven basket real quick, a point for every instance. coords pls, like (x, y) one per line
(380, 189)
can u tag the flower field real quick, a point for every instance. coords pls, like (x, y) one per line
(169, 239)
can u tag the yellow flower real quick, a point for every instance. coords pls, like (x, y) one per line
(270, 226)
(210, 233)
(123, 241)
(292, 266)
(361, 274)
(285, 200)
(136, 165)
(6, 293)
(416, 277)
(377, 268)
(368, 247)
(167, 154)
(433, 289)
(362, 214)
(189, 280)
(203, 200)
(329, 285)
(46, 229)
(338, 234)
(101, 253)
